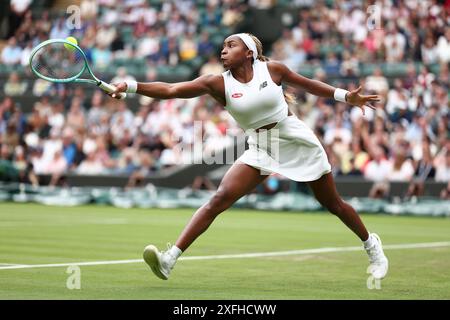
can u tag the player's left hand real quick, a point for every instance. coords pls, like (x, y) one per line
(356, 99)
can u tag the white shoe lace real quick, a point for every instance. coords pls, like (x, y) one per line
(375, 252)
(170, 261)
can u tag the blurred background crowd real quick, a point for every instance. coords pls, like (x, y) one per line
(404, 57)
(407, 137)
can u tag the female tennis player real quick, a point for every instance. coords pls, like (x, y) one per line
(251, 91)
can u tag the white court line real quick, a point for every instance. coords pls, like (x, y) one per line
(238, 256)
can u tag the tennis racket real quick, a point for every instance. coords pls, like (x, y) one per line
(60, 61)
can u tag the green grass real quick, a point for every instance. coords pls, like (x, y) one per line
(35, 234)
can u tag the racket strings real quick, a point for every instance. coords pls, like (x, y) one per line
(58, 62)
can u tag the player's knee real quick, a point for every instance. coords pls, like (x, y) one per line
(223, 198)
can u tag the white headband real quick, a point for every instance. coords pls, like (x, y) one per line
(249, 42)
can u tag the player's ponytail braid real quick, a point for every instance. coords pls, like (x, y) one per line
(290, 98)
(259, 48)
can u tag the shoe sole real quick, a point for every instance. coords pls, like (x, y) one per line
(151, 258)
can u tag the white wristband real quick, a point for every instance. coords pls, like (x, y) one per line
(339, 95)
(131, 86)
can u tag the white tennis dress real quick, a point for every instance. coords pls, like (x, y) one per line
(290, 148)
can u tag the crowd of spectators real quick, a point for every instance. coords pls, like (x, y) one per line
(405, 139)
(123, 29)
(103, 136)
(69, 131)
(344, 36)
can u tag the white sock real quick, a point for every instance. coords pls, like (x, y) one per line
(369, 242)
(175, 252)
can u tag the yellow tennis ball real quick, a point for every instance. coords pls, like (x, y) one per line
(71, 40)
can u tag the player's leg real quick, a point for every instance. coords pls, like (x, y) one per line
(325, 192)
(239, 180)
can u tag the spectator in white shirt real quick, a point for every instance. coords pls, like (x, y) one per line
(378, 168)
(148, 45)
(91, 165)
(56, 167)
(443, 47)
(394, 43)
(25, 56)
(400, 167)
(11, 53)
(106, 35)
(377, 82)
(338, 131)
(397, 98)
(429, 51)
(59, 30)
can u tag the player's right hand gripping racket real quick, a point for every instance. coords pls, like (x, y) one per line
(61, 61)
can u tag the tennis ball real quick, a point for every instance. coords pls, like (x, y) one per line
(71, 40)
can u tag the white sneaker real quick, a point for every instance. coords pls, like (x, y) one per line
(378, 262)
(161, 263)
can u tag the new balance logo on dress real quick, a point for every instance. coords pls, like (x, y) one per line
(263, 85)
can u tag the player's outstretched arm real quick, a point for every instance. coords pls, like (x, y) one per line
(320, 88)
(163, 90)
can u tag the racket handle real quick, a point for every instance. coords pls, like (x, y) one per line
(110, 88)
